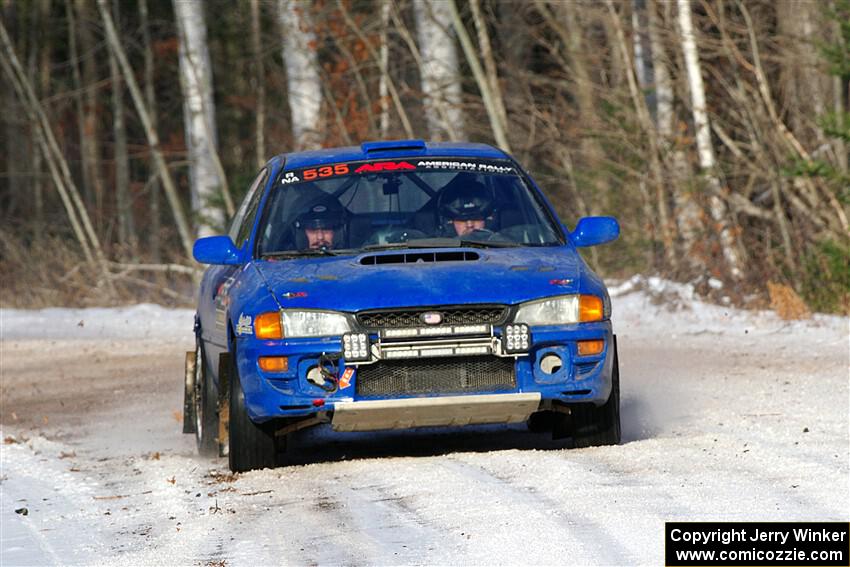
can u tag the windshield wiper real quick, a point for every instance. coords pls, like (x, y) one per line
(300, 253)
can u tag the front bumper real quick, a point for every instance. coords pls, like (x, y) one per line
(580, 379)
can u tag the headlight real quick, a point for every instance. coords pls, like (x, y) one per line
(561, 310)
(313, 323)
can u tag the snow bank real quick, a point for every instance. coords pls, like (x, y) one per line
(144, 321)
(667, 308)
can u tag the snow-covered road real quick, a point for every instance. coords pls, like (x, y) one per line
(727, 415)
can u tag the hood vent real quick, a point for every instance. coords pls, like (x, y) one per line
(420, 258)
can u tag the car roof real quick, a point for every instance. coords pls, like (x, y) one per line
(391, 150)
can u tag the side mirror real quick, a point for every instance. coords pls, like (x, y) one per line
(216, 250)
(591, 231)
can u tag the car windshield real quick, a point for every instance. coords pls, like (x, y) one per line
(397, 204)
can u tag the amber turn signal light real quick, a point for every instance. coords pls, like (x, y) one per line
(267, 326)
(590, 347)
(590, 308)
(273, 363)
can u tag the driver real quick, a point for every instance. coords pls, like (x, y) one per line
(465, 206)
(320, 225)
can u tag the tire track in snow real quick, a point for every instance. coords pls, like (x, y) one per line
(595, 543)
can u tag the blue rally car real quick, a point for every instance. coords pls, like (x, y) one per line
(398, 285)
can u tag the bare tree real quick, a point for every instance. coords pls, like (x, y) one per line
(705, 149)
(91, 121)
(384, 70)
(126, 226)
(152, 184)
(58, 166)
(153, 138)
(664, 229)
(491, 99)
(383, 87)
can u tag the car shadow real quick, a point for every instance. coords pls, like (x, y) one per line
(323, 445)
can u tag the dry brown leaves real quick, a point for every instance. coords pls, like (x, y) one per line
(787, 304)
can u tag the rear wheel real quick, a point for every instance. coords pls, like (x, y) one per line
(205, 407)
(252, 446)
(592, 425)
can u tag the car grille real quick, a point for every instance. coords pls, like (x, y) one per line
(436, 376)
(399, 318)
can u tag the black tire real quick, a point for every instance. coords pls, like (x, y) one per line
(252, 446)
(594, 426)
(205, 407)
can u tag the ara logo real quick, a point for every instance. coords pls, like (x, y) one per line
(243, 325)
(384, 166)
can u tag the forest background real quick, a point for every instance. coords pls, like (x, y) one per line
(717, 131)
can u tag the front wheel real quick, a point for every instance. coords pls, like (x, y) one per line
(593, 426)
(252, 446)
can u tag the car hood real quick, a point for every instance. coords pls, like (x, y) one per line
(504, 276)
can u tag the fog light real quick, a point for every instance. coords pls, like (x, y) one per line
(356, 347)
(590, 347)
(273, 363)
(551, 363)
(516, 338)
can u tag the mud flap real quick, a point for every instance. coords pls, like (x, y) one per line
(223, 404)
(189, 425)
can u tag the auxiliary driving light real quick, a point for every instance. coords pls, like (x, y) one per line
(516, 338)
(356, 347)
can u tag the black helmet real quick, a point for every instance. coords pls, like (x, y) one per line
(323, 212)
(465, 198)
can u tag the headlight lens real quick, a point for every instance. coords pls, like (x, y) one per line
(313, 323)
(561, 310)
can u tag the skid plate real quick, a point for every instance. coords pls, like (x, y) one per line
(440, 411)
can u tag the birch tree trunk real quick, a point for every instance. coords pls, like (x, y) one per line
(687, 212)
(705, 150)
(302, 74)
(438, 70)
(259, 84)
(199, 115)
(153, 139)
(498, 127)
